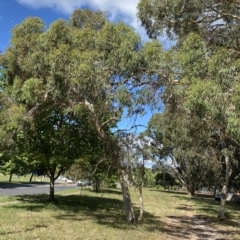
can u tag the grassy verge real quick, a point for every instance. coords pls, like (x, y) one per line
(22, 179)
(93, 216)
(7, 199)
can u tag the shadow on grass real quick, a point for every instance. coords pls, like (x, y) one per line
(170, 192)
(26, 230)
(207, 211)
(208, 208)
(104, 191)
(103, 210)
(203, 195)
(191, 227)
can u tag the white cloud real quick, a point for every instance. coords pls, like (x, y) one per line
(124, 10)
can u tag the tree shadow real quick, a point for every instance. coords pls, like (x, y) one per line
(25, 230)
(208, 208)
(209, 211)
(103, 191)
(189, 227)
(205, 195)
(105, 211)
(170, 192)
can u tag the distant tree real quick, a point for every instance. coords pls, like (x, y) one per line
(165, 179)
(149, 179)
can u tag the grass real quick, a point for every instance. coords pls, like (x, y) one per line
(21, 179)
(208, 208)
(99, 216)
(7, 199)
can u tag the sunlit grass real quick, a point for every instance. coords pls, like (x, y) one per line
(20, 179)
(208, 208)
(94, 216)
(7, 199)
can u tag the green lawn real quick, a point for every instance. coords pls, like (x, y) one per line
(101, 216)
(25, 179)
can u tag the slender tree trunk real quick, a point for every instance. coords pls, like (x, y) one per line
(31, 177)
(127, 199)
(225, 188)
(51, 187)
(10, 177)
(141, 204)
(81, 188)
(214, 190)
(97, 186)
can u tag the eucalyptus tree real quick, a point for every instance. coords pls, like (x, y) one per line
(198, 128)
(82, 67)
(208, 65)
(79, 74)
(216, 102)
(216, 21)
(211, 95)
(178, 143)
(179, 136)
(134, 156)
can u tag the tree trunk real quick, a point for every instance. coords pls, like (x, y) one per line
(81, 188)
(97, 186)
(10, 177)
(31, 177)
(141, 204)
(127, 199)
(225, 188)
(52, 188)
(214, 190)
(191, 190)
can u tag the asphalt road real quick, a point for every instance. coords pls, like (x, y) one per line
(13, 189)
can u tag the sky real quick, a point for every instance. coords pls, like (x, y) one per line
(13, 12)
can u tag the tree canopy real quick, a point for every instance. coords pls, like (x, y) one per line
(72, 82)
(64, 88)
(203, 104)
(216, 21)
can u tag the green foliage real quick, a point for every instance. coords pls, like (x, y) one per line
(193, 59)
(149, 179)
(85, 18)
(32, 89)
(61, 86)
(164, 179)
(178, 18)
(29, 27)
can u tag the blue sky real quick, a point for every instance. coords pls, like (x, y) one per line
(13, 12)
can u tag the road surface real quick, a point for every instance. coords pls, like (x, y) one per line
(15, 189)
